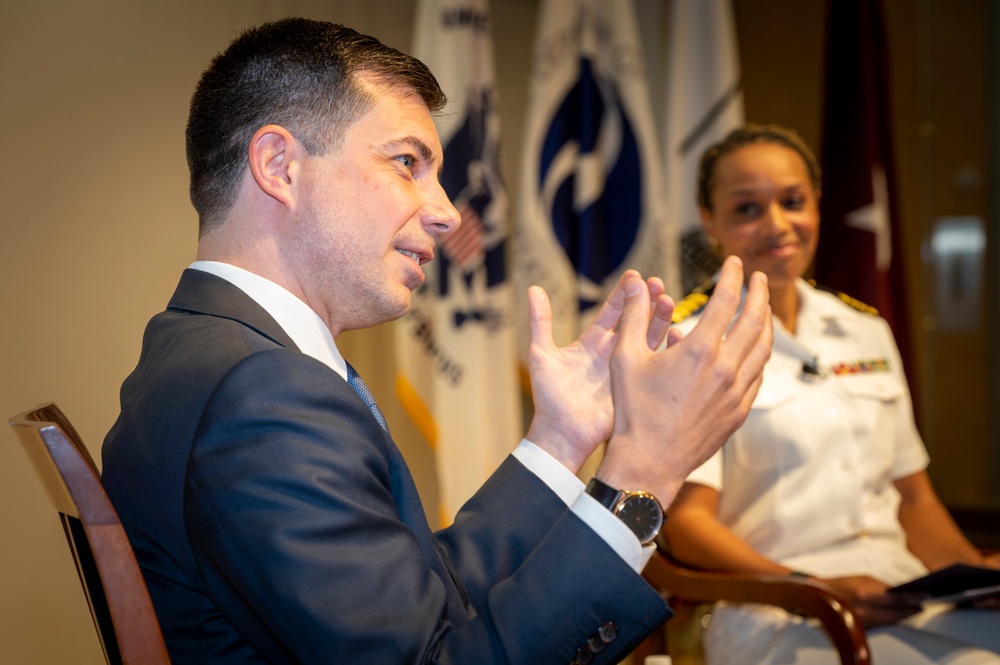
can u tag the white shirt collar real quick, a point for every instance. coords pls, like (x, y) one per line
(296, 318)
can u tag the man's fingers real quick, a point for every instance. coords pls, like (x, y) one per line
(754, 321)
(659, 323)
(754, 357)
(539, 316)
(635, 314)
(656, 287)
(724, 303)
(674, 335)
(611, 310)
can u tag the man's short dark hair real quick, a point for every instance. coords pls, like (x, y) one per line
(746, 135)
(296, 73)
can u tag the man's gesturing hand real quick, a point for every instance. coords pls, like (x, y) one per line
(571, 385)
(673, 409)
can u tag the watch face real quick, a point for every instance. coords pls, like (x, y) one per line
(641, 513)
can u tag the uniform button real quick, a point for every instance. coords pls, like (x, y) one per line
(608, 633)
(584, 656)
(595, 644)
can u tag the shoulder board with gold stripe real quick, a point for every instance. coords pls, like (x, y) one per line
(693, 302)
(846, 299)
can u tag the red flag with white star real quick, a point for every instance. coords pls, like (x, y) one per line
(860, 249)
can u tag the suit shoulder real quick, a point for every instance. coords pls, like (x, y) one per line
(693, 302)
(851, 302)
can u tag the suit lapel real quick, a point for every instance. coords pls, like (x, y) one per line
(204, 293)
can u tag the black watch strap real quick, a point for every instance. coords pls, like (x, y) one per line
(639, 511)
(604, 494)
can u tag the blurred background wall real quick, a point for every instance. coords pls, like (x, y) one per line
(96, 223)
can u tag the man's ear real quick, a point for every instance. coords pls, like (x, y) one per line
(273, 163)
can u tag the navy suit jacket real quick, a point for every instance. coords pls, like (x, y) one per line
(275, 521)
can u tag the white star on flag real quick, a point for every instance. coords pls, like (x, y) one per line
(874, 218)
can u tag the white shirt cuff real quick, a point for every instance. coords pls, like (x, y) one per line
(569, 488)
(559, 479)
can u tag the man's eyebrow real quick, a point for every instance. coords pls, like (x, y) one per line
(423, 150)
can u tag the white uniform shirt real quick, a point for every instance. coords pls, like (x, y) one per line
(808, 479)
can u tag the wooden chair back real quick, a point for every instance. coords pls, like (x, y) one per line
(112, 582)
(686, 586)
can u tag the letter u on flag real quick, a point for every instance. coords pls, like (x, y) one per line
(456, 348)
(591, 182)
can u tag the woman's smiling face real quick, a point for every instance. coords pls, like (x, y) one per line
(764, 210)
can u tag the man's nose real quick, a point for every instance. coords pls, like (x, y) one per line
(439, 216)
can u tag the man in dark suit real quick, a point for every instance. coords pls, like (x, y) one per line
(273, 517)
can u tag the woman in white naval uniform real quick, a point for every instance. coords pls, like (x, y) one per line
(827, 477)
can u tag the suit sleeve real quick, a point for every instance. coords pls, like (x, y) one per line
(299, 540)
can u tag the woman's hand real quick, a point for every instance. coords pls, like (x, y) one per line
(870, 600)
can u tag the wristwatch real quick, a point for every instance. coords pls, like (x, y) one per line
(640, 511)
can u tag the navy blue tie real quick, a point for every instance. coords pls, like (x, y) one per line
(361, 389)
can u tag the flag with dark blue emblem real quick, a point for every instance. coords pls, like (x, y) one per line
(591, 187)
(456, 348)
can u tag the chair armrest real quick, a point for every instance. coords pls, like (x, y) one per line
(800, 595)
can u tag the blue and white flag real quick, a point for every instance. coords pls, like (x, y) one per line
(456, 348)
(591, 202)
(704, 102)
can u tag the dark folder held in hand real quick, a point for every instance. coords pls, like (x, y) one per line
(955, 584)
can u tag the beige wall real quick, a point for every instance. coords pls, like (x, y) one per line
(97, 225)
(96, 229)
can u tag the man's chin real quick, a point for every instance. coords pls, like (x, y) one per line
(402, 308)
(398, 316)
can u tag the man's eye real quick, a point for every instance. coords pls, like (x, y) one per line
(747, 209)
(407, 160)
(794, 203)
